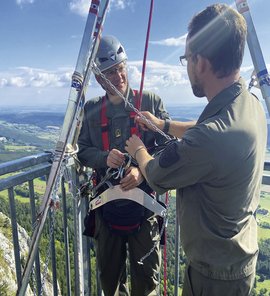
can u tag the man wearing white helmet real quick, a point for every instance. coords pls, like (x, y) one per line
(121, 225)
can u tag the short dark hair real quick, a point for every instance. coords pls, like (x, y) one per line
(218, 33)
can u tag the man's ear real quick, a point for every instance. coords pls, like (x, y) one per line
(203, 64)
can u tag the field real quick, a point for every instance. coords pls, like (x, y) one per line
(19, 140)
(264, 233)
(262, 285)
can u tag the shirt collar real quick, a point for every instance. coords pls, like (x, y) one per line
(222, 99)
(122, 106)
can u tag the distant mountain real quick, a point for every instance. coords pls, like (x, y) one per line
(38, 118)
(54, 116)
(42, 118)
(37, 108)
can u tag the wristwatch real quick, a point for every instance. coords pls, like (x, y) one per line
(166, 126)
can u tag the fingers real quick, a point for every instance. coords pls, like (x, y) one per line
(115, 158)
(147, 120)
(132, 179)
(127, 185)
(141, 122)
(132, 144)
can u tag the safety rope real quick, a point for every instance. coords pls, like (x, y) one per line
(97, 71)
(165, 248)
(146, 49)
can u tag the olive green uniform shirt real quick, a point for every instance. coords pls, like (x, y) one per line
(111, 248)
(91, 152)
(217, 171)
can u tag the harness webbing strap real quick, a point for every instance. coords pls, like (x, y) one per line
(146, 47)
(104, 121)
(104, 126)
(135, 194)
(122, 227)
(133, 127)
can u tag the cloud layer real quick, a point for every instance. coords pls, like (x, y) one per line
(81, 7)
(37, 83)
(178, 41)
(22, 2)
(38, 86)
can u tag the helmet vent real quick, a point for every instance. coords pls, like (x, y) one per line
(120, 50)
(102, 60)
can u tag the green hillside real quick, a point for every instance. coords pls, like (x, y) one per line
(25, 134)
(19, 140)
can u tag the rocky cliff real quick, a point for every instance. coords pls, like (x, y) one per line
(8, 282)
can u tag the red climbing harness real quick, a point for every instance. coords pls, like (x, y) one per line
(104, 120)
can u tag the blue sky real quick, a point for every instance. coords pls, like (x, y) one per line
(40, 42)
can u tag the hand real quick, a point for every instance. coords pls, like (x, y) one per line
(133, 144)
(115, 159)
(144, 125)
(132, 179)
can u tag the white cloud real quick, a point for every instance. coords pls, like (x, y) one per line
(22, 2)
(179, 41)
(81, 7)
(31, 77)
(38, 86)
(34, 86)
(121, 4)
(247, 69)
(3, 82)
(158, 75)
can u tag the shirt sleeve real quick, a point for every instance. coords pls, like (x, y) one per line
(89, 154)
(160, 112)
(181, 164)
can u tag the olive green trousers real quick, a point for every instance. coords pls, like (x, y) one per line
(112, 252)
(196, 284)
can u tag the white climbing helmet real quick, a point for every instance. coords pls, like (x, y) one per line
(110, 53)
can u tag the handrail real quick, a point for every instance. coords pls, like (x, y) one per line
(27, 169)
(24, 177)
(24, 162)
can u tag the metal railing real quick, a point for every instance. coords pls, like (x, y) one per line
(27, 169)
